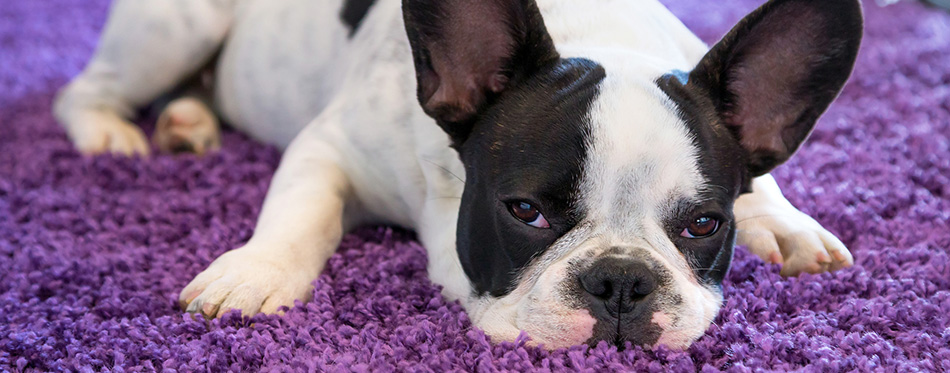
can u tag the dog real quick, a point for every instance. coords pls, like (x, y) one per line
(578, 170)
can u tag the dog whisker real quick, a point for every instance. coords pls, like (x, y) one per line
(763, 216)
(445, 169)
(448, 197)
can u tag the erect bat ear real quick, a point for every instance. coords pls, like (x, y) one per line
(777, 71)
(466, 52)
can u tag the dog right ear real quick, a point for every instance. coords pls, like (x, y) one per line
(777, 71)
(467, 52)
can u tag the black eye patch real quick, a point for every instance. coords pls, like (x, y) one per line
(530, 145)
(708, 256)
(722, 164)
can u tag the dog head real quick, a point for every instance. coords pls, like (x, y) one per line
(598, 196)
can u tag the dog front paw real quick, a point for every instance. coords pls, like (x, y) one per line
(247, 280)
(793, 239)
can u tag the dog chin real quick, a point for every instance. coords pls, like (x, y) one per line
(680, 332)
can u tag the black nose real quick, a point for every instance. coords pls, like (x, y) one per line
(620, 283)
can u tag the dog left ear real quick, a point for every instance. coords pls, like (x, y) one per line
(777, 71)
(466, 52)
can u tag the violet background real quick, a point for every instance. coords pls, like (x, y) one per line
(93, 251)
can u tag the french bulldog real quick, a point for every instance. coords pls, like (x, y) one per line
(579, 170)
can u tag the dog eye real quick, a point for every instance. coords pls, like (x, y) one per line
(703, 226)
(528, 214)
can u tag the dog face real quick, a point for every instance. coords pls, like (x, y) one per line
(598, 196)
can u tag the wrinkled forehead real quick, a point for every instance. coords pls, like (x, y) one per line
(642, 158)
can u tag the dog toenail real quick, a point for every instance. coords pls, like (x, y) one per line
(192, 295)
(209, 309)
(775, 258)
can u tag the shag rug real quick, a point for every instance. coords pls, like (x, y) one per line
(93, 251)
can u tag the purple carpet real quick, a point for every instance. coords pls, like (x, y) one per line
(93, 251)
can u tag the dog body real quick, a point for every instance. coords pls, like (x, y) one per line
(555, 171)
(273, 47)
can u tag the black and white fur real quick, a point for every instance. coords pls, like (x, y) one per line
(608, 118)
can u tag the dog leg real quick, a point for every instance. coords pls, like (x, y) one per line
(146, 48)
(300, 226)
(777, 232)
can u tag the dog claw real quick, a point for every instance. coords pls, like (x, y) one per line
(775, 258)
(209, 310)
(186, 301)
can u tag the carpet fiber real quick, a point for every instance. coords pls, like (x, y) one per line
(93, 251)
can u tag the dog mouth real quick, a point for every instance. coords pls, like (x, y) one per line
(638, 330)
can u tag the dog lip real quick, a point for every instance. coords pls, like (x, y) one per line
(637, 328)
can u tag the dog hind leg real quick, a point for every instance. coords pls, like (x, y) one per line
(146, 49)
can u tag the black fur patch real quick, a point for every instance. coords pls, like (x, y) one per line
(529, 146)
(353, 13)
(723, 164)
